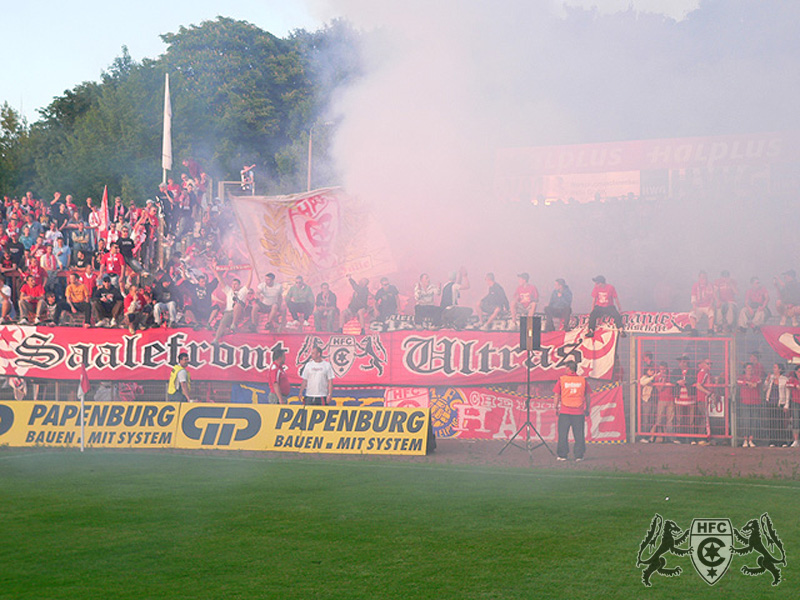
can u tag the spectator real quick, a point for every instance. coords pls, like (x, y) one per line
(113, 264)
(426, 312)
(560, 306)
(80, 260)
(278, 378)
(386, 300)
(725, 293)
(776, 403)
(5, 303)
(81, 240)
(16, 252)
(107, 303)
(165, 299)
(27, 239)
(247, 178)
(605, 303)
(235, 300)
(267, 300)
(88, 278)
(494, 302)
(358, 307)
(49, 311)
(685, 402)
(62, 253)
(526, 297)
(665, 418)
(317, 386)
(749, 405)
(326, 313)
(702, 303)
(788, 302)
(133, 307)
(793, 382)
(453, 315)
(118, 211)
(99, 255)
(31, 295)
(49, 264)
(300, 300)
(755, 311)
(76, 299)
(201, 309)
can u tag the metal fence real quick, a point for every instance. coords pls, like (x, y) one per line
(684, 390)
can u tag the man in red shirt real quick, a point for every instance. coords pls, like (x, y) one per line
(572, 406)
(278, 378)
(605, 303)
(702, 303)
(749, 401)
(31, 295)
(526, 297)
(113, 264)
(725, 292)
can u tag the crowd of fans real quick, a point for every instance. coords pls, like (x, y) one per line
(98, 264)
(675, 402)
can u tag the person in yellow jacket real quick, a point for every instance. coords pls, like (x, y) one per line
(572, 406)
(180, 383)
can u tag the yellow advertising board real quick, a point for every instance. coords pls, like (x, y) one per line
(106, 424)
(348, 430)
(293, 428)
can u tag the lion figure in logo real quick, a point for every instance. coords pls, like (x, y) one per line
(671, 537)
(752, 535)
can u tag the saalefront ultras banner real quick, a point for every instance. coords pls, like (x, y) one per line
(415, 358)
(295, 428)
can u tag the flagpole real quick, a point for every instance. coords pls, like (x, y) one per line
(83, 431)
(166, 145)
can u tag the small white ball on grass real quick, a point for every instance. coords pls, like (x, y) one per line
(667, 498)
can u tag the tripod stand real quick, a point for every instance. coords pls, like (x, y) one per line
(527, 426)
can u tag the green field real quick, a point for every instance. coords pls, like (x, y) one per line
(160, 526)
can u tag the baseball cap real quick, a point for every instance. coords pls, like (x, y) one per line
(561, 281)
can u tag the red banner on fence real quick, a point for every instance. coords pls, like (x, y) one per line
(496, 414)
(420, 358)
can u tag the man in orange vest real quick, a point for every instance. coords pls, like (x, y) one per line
(572, 407)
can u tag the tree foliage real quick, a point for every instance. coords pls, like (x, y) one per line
(240, 95)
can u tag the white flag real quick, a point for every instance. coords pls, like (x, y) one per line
(166, 148)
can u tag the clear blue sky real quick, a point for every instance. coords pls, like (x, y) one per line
(50, 47)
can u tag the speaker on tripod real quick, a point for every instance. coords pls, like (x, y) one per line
(530, 333)
(530, 339)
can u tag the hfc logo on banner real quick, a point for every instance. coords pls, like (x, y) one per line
(711, 546)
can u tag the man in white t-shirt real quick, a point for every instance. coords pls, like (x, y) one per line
(317, 386)
(268, 300)
(235, 301)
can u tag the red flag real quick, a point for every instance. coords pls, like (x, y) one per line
(103, 227)
(83, 386)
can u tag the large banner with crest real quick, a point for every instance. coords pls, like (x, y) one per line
(323, 235)
(401, 358)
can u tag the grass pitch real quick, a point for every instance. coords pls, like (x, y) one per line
(161, 526)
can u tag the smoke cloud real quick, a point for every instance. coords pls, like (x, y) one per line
(448, 83)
